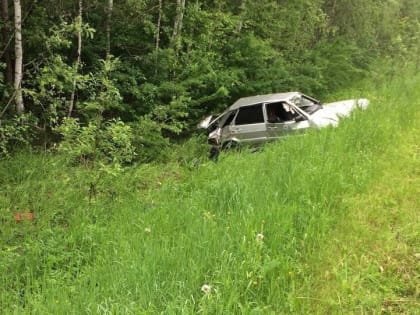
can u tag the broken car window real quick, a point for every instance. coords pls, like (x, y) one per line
(306, 104)
(279, 112)
(250, 115)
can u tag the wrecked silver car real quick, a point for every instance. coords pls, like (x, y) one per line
(262, 118)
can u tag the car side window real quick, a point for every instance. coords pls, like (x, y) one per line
(279, 112)
(250, 115)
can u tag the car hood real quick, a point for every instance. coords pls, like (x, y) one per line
(331, 113)
(344, 108)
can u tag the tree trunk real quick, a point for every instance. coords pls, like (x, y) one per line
(108, 28)
(158, 26)
(18, 58)
(78, 60)
(176, 35)
(242, 10)
(6, 35)
(158, 36)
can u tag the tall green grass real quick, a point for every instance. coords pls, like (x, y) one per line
(145, 240)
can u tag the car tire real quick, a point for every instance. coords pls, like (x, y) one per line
(230, 145)
(214, 153)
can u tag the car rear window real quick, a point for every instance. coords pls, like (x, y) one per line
(250, 115)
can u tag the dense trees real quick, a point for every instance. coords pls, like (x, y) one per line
(160, 65)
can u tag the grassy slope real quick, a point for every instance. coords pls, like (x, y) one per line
(125, 243)
(370, 263)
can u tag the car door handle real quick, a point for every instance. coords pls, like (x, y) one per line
(272, 128)
(235, 130)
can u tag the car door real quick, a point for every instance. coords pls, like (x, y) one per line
(282, 119)
(249, 125)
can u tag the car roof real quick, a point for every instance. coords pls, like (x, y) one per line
(258, 99)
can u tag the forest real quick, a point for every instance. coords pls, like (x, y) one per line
(124, 82)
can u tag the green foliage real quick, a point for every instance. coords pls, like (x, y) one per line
(223, 50)
(15, 132)
(53, 86)
(104, 96)
(260, 67)
(79, 143)
(109, 142)
(53, 83)
(149, 142)
(117, 142)
(331, 66)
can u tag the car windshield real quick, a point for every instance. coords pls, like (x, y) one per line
(308, 105)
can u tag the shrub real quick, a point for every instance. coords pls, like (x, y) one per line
(116, 142)
(109, 142)
(15, 132)
(149, 142)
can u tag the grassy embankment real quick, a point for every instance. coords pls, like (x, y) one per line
(325, 223)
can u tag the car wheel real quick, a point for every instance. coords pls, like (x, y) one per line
(214, 153)
(230, 145)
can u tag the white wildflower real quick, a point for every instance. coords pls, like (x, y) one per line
(206, 289)
(147, 230)
(260, 237)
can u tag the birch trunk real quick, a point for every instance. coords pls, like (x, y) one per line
(19, 58)
(78, 60)
(159, 21)
(176, 35)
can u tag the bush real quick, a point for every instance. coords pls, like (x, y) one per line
(15, 132)
(109, 142)
(117, 142)
(149, 142)
(114, 141)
